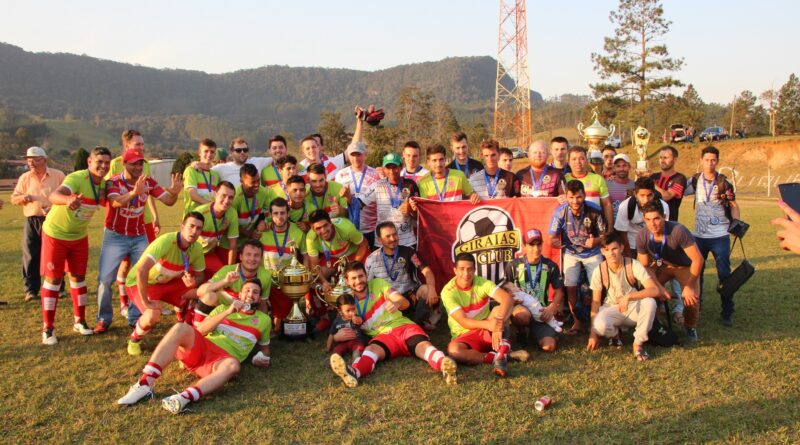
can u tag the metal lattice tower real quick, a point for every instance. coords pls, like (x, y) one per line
(512, 100)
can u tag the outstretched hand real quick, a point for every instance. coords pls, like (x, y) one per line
(789, 234)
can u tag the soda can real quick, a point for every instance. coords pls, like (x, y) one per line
(542, 403)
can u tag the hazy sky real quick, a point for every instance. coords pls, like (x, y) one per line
(728, 46)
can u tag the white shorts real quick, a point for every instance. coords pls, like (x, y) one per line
(572, 267)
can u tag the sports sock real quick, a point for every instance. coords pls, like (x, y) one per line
(150, 373)
(49, 294)
(192, 394)
(139, 331)
(123, 294)
(505, 347)
(434, 357)
(78, 293)
(489, 357)
(365, 364)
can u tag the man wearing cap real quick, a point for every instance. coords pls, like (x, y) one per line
(596, 162)
(620, 187)
(239, 153)
(124, 234)
(358, 178)
(31, 192)
(534, 275)
(390, 197)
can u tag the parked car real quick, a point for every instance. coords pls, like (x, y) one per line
(518, 153)
(712, 134)
(614, 142)
(678, 133)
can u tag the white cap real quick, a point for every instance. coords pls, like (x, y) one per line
(356, 147)
(35, 152)
(622, 156)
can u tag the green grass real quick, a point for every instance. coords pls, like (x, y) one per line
(736, 386)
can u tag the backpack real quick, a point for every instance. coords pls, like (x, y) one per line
(633, 204)
(722, 192)
(628, 270)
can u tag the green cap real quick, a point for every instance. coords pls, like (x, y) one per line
(392, 158)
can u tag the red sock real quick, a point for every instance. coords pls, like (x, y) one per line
(489, 357)
(434, 357)
(49, 294)
(139, 331)
(192, 394)
(78, 293)
(365, 364)
(150, 372)
(505, 346)
(123, 294)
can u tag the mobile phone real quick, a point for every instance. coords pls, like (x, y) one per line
(790, 194)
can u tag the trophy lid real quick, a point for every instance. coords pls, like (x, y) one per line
(595, 129)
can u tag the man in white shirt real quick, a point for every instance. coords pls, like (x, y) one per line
(240, 155)
(629, 220)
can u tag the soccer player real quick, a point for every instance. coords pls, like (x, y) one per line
(461, 160)
(539, 179)
(213, 351)
(594, 185)
(576, 227)
(335, 238)
(298, 212)
(444, 184)
(124, 234)
(200, 181)
(169, 271)
(492, 182)
(220, 220)
(249, 203)
(287, 167)
(411, 167)
(391, 196)
(358, 178)
(668, 250)
(630, 219)
(400, 266)
(619, 184)
(323, 194)
(559, 146)
(65, 240)
(476, 330)
(393, 335)
(670, 183)
(506, 159)
(312, 148)
(271, 174)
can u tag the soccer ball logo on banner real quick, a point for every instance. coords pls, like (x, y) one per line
(488, 233)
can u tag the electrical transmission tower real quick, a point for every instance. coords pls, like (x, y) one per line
(512, 99)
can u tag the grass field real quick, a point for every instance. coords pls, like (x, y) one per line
(736, 386)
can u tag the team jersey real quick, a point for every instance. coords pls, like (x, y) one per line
(331, 195)
(503, 184)
(473, 301)
(332, 165)
(365, 218)
(299, 214)
(399, 269)
(275, 191)
(271, 176)
(533, 279)
(70, 225)
(377, 320)
(345, 242)
(416, 175)
(471, 167)
(249, 209)
(239, 333)
(711, 217)
(279, 249)
(574, 231)
(548, 182)
(594, 185)
(387, 198)
(233, 289)
(618, 192)
(677, 185)
(205, 182)
(170, 260)
(129, 220)
(453, 187)
(633, 224)
(214, 228)
(117, 167)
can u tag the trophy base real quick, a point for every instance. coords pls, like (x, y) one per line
(641, 167)
(295, 326)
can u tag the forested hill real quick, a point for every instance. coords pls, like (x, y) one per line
(278, 97)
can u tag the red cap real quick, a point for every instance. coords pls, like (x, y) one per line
(533, 236)
(132, 155)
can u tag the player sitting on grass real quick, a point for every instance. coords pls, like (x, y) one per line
(213, 350)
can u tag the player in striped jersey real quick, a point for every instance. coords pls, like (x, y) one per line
(334, 238)
(393, 335)
(287, 167)
(249, 203)
(444, 184)
(411, 168)
(391, 196)
(298, 211)
(312, 148)
(199, 181)
(220, 221)
(213, 351)
(324, 194)
(492, 182)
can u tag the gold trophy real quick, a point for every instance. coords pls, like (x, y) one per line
(295, 282)
(338, 289)
(641, 137)
(595, 134)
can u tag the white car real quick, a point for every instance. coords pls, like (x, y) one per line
(614, 142)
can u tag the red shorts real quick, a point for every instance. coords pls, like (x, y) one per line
(478, 339)
(281, 304)
(150, 231)
(200, 359)
(59, 256)
(395, 341)
(215, 260)
(348, 347)
(169, 292)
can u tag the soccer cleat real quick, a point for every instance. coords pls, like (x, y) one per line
(691, 335)
(615, 342)
(48, 338)
(30, 296)
(449, 369)
(101, 327)
(501, 365)
(123, 310)
(175, 403)
(345, 372)
(519, 355)
(134, 348)
(136, 393)
(82, 328)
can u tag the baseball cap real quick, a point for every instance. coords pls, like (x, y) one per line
(132, 155)
(35, 152)
(595, 157)
(533, 236)
(355, 147)
(392, 158)
(622, 156)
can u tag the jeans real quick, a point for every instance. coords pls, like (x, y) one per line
(32, 253)
(115, 248)
(720, 248)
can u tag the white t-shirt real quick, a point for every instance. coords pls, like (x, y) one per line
(332, 165)
(618, 285)
(636, 224)
(229, 171)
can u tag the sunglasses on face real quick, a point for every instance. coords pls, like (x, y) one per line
(241, 150)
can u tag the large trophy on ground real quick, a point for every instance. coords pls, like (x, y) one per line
(641, 137)
(595, 134)
(295, 282)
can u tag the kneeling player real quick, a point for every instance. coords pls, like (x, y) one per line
(379, 306)
(213, 350)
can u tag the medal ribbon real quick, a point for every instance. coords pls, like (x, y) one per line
(466, 167)
(94, 190)
(361, 311)
(301, 216)
(529, 275)
(282, 249)
(395, 199)
(252, 209)
(214, 220)
(314, 197)
(441, 195)
(659, 252)
(491, 189)
(537, 184)
(278, 174)
(575, 229)
(390, 270)
(184, 256)
(708, 189)
(207, 180)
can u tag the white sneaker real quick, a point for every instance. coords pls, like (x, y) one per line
(135, 393)
(123, 311)
(48, 338)
(174, 403)
(82, 328)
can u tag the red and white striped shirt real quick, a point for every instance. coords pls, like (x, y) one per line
(129, 220)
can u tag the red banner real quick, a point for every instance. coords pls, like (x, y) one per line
(491, 231)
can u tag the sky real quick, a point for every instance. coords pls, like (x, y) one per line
(728, 46)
